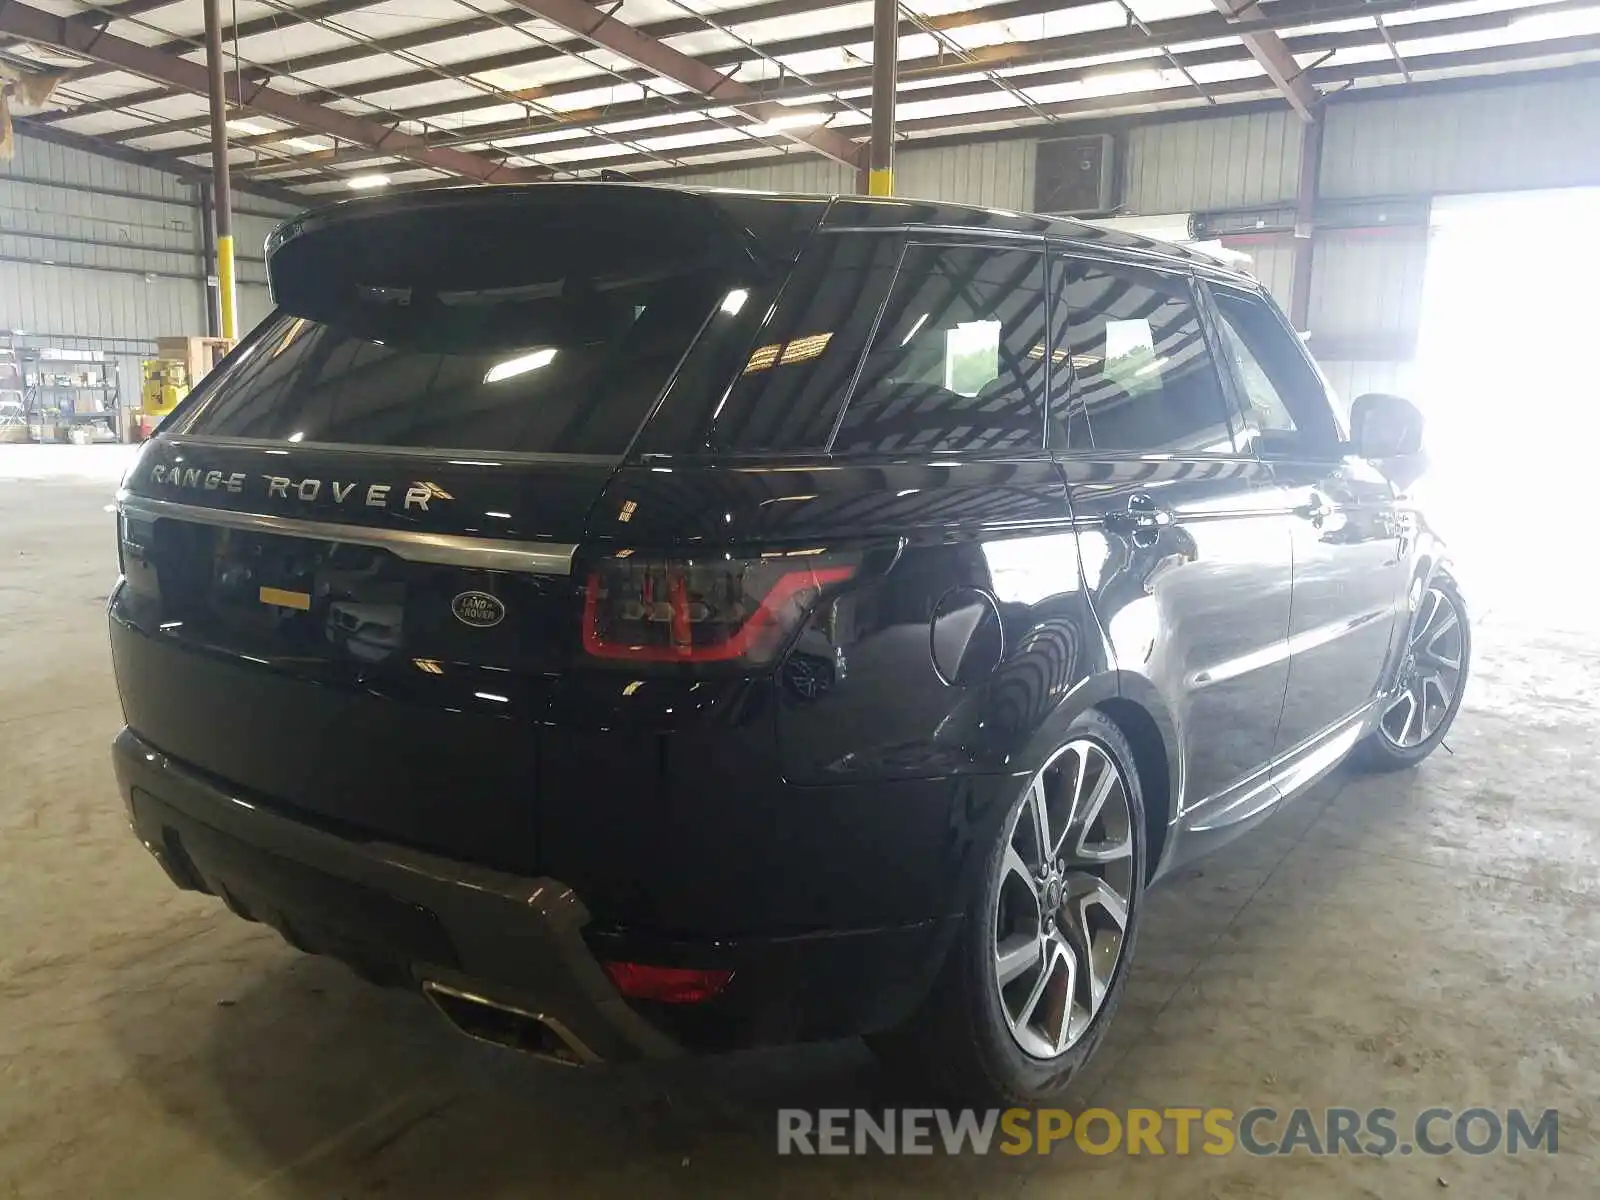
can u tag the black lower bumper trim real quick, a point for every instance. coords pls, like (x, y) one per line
(523, 946)
(395, 914)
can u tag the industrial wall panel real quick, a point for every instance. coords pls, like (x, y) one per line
(249, 242)
(61, 164)
(1368, 286)
(1215, 162)
(254, 305)
(98, 248)
(1350, 379)
(990, 174)
(64, 302)
(1272, 262)
(1527, 135)
(116, 223)
(250, 232)
(819, 176)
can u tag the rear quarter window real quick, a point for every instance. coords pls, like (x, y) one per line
(790, 389)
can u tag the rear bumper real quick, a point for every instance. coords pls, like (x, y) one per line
(404, 917)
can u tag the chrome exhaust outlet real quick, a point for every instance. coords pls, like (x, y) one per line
(507, 1025)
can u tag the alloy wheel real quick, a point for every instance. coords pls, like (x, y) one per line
(1430, 672)
(1062, 908)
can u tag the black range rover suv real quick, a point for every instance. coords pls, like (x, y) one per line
(653, 620)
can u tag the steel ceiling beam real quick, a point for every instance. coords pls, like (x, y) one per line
(592, 25)
(244, 29)
(417, 38)
(733, 56)
(135, 8)
(936, 66)
(1139, 105)
(1284, 15)
(84, 37)
(1268, 49)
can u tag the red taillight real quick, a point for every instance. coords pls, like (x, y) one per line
(682, 611)
(667, 985)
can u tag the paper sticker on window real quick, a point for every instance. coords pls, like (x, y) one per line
(1131, 356)
(971, 356)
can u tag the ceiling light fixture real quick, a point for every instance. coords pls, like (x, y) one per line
(1113, 83)
(363, 182)
(793, 120)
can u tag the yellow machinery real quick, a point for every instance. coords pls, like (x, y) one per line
(166, 381)
(181, 362)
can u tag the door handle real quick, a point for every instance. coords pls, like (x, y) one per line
(1316, 510)
(1143, 518)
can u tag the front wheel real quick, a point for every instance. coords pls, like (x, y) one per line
(1425, 694)
(1039, 968)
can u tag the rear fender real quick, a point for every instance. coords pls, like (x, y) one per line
(1096, 692)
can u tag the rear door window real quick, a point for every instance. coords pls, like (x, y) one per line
(507, 331)
(958, 359)
(1143, 378)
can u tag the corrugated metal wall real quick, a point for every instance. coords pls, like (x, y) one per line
(1367, 285)
(249, 246)
(1350, 379)
(1225, 162)
(104, 255)
(1273, 263)
(1539, 135)
(77, 260)
(1495, 138)
(992, 174)
(808, 173)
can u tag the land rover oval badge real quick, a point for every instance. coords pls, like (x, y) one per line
(478, 609)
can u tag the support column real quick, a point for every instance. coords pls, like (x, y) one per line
(1305, 224)
(222, 195)
(208, 255)
(885, 72)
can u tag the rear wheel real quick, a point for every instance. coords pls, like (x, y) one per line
(1425, 694)
(1031, 984)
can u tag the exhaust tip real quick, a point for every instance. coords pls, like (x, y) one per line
(506, 1025)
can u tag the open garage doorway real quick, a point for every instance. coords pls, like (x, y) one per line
(1505, 373)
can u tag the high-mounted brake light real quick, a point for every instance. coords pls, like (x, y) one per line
(681, 611)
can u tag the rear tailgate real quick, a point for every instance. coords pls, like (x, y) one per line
(347, 555)
(385, 675)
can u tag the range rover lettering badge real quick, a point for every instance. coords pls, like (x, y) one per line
(413, 496)
(478, 609)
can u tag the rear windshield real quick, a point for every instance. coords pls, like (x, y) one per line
(541, 331)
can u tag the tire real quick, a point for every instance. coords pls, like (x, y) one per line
(1433, 643)
(967, 1042)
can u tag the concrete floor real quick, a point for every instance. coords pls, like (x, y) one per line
(1421, 939)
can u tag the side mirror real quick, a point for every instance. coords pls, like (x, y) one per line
(1384, 426)
(1388, 430)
